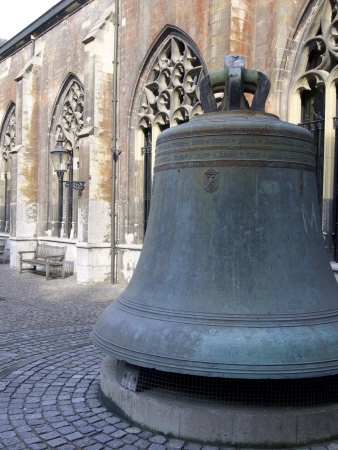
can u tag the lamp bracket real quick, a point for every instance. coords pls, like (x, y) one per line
(77, 185)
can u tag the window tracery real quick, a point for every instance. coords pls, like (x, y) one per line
(8, 142)
(9, 134)
(316, 88)
(68, 120)
(320, 52)
(170, 97)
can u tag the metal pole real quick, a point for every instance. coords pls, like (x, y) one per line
(145, 190)
(335, 198)
(115, 152)
(6, 201)
(147, 151)
(60, 174)
(70, 196)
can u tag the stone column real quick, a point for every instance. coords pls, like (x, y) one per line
(93, 248)
(25, 161)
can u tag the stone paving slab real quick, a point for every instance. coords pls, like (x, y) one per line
(49, 371)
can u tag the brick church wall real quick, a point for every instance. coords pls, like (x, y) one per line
(268, 33)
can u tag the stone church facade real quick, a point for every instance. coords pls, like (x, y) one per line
(107, 76)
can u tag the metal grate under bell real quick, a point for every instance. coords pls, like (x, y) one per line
(297, 392)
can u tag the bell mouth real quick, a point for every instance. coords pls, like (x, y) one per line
(233, 351)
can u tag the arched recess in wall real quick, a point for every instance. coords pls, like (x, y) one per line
(168, 95)
(7, 146)
(67, 122)
(313, 104)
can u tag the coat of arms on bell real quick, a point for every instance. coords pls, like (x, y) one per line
(211, 180)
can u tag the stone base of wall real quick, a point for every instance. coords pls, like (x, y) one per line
(90, 262)
(127, 259)
(17, 244)
(93, 263)
(71, 253)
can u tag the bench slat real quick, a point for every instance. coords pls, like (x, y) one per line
(43, 262)
(2, 249)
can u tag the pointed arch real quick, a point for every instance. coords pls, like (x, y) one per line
(67, 119)
(312, 100)
(7, 127)
(168, 32)
(305, 26)
(165, 94)
(70, 83)
(7, 146)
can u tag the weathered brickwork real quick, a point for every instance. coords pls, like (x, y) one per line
(242, 31)
(262, 30)
(33, 78)
(268, 33)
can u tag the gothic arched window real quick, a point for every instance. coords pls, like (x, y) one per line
(314, 104)
(67, 121)
(169, 97)
(7, 145)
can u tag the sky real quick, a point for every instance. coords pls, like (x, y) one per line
(18, 14)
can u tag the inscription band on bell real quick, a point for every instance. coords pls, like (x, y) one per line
(260, 151)
(240, 163)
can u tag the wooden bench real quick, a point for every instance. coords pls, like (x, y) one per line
(2, 249)
(44, 255)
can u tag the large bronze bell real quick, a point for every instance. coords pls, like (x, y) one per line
(233, 280)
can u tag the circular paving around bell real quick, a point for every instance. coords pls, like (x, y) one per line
(49, 370)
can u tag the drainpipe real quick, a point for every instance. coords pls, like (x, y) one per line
(115, 151)
(33, 38)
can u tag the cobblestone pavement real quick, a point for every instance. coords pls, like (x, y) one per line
(49, 370)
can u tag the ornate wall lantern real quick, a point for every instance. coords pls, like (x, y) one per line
(60, 157)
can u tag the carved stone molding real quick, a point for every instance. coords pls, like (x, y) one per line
(35, 61)
(7, 148)
(312, 79)
(70, 120)
(170, 95)
(8, 134)
(92, 35)
(319, 53)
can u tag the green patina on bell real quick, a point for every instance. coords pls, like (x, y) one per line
(233, 280)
